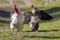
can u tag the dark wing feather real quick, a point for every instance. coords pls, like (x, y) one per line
(43, 15)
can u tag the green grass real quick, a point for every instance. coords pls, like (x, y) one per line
(48, 30)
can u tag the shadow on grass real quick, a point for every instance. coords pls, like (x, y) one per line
(48, 37)
(53, 10)
(2, 21)
(45, 30)
(4, 14)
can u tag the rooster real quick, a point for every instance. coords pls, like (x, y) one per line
(42, 15)
(17, 20)
(34, 23)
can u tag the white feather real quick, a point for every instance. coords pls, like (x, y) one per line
(17, 20)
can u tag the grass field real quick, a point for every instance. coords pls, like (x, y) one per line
(48, 30)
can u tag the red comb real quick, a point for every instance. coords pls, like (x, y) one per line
(15, 9)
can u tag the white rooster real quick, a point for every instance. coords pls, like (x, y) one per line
(17, 20)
